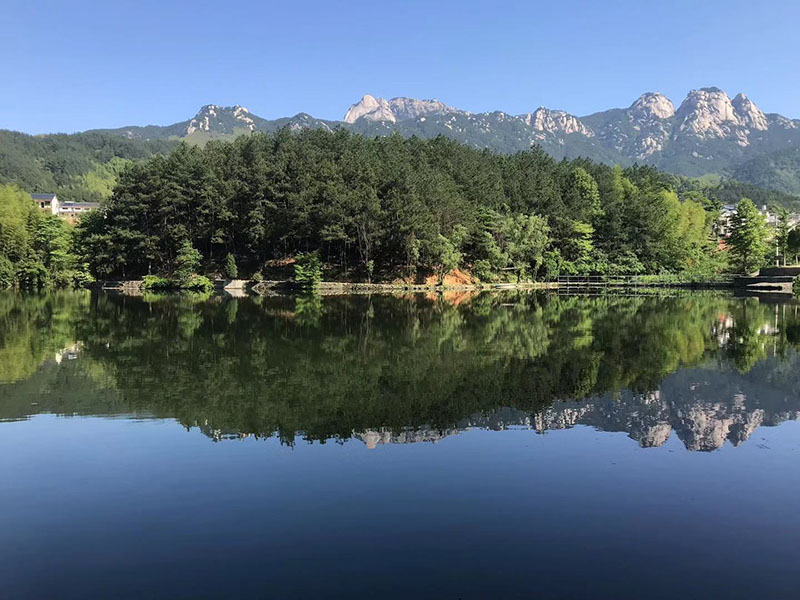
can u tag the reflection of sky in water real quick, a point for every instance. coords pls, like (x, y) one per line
(113, 508)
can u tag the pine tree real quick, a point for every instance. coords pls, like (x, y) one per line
(748, 238)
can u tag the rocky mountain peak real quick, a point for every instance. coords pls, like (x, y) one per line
(556, 122)
(749, 114)
(222, 119)
(371, 109)
(652, 104)
(396, 109)
(707, 111)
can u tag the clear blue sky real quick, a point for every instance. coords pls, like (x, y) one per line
(70, 66)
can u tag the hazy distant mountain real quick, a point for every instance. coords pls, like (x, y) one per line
(707, 133)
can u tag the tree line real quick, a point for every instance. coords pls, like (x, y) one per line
(385, 208)
(389, 207)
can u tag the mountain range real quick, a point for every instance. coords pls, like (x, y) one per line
(708, 133)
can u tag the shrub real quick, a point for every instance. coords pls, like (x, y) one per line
(156, 283)
(198, 283)
(194, 283)
(257, 277)
(308, 269)
(796, 286)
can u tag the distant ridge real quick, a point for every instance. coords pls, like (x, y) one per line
(708, 133)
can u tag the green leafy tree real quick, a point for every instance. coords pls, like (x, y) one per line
(308, 269)
(782, 231)
(447, 257)
(793, 243)
(748, 237)
(231, 270)
(525, 238)
(580, 249)
(187, 263)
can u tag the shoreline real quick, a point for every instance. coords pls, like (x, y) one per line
(282, 287)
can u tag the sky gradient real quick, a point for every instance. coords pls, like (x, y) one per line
(71, 66)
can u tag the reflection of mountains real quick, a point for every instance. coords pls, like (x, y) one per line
(703, 407)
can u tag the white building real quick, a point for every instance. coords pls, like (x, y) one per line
(47, 202)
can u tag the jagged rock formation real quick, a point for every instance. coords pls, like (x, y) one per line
(707, 111)
(556, 122)
(704, 408)
(396, 109)
(216, 118)
(708, 132)
(749, 114)
(652, 105)
(378, 437)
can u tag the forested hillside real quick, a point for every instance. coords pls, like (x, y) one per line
(776, 170)
(390, 207)
(79, 167)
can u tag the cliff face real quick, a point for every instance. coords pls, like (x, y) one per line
(370, 108)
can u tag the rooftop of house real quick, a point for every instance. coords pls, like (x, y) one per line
(43, 196)
(69, 204)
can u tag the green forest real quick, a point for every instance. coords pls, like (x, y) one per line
(373, 209)
(391, 208)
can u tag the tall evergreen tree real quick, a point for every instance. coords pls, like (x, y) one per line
(748, 238)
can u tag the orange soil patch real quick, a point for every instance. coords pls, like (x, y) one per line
(455, 277)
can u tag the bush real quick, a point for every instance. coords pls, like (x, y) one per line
(257, 277)
(796, 286)
(198, 283)
(194, 283)
(308, 269)
(156, 283)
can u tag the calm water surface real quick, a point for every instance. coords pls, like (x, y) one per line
(490, 446)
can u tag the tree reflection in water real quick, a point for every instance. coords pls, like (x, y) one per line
(707, 367)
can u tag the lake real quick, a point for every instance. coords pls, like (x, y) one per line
(498, 445)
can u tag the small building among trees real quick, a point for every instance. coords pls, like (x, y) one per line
(66, 210)
(47, 202)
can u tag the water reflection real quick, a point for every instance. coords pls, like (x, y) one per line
(704, 367)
